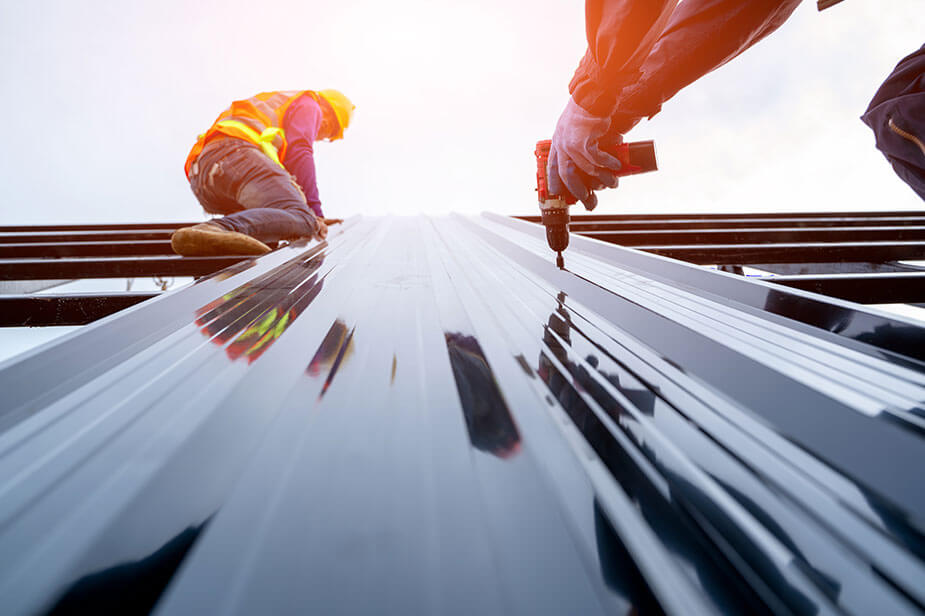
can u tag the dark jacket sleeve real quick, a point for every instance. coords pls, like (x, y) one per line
(620, 34)
(700, 36)
(302, 123)
(897, 116)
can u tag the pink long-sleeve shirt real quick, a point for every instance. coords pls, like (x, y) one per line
(301, 124)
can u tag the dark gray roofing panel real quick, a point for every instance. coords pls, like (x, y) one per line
(423, 415)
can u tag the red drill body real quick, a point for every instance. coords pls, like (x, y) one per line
(635, 157)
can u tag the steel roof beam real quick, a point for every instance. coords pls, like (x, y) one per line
(829, 216)
(884, 288)
(106, 248)
(840, 267)
(77, 309)
(747, 235)
(123, 267)
(619, 224)
(96, 227)
(822, 252)
(85, 236)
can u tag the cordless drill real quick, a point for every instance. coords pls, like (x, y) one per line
(635, 157)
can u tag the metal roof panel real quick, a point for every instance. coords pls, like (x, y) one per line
(424, 415)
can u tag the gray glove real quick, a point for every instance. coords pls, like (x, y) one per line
(576, 161)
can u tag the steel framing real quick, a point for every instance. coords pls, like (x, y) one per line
(832, 253)
(71, 252)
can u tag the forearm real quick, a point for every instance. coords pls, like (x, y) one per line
(701, 36)
(300, 163)
(620, 35)
(301, 123)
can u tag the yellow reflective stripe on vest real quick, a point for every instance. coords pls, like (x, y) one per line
(264, 139)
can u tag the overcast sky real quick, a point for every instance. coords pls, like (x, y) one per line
(102, 101)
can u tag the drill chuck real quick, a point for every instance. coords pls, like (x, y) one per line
(556, 222)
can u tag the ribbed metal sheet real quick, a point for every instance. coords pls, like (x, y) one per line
(424, 416)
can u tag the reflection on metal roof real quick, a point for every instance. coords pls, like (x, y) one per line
(424, 415)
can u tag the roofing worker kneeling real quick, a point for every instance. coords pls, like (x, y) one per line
(255, 166)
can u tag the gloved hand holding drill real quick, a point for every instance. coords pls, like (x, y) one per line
(578, 163)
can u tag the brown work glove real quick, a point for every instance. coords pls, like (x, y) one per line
(332, 221)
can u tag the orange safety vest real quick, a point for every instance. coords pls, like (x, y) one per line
(258, 119)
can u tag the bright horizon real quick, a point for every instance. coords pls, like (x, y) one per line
(107, 99)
